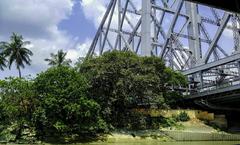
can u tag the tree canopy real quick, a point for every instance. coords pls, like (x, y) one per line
(63, 106)
(3, 59)
(16, 52)
(99, 94)
(122, 80)
(58, 59)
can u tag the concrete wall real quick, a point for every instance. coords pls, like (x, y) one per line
(191, 136)
(193, 114)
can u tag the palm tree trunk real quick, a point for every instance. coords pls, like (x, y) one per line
(19, 73)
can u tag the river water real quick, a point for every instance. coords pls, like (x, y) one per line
(169, 143)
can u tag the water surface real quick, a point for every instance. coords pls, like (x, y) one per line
(169, 143)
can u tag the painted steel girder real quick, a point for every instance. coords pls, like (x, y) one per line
(178, 54)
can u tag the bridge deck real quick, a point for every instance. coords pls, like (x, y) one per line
(229, 5)
(215, 92)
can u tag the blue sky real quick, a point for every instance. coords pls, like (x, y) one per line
(50, 25)
(59, 24)
(77, 24)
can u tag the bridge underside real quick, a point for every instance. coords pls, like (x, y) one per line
(227, 99)
(229, 5)
(220, 98)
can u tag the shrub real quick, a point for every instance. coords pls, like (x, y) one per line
(17, 104)
(63, 107)
(136, 121)
(168, 122)
(182, 116)
(157, 122)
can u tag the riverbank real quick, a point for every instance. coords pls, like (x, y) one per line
(170, 129)
(193, 130)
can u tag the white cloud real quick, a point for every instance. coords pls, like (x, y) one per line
(37, 21)
(94, 10)
(228, 33)
(80, 51)
(72, 54)
(84, 47)
(33, 17)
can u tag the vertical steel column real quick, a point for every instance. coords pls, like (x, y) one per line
(146, 46)
(193, 30)
(194, 45)
(236, 35)
(119, 24)
(155, 30)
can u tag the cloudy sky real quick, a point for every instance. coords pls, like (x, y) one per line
(51, 25)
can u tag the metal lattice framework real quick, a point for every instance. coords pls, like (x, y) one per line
(189, 37)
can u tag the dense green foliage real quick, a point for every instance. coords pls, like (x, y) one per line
(17, 106)
(98, 94)
(63, 107)
(183, 116)
(138, 121)
(53, 104)
(122, 80)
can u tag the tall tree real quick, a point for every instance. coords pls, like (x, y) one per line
(58, 59)
(17, 52)
(3, 60)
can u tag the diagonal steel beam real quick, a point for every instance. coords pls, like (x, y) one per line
(176, 41)
(216, 37)
(108, 26)
(121, 21)
(170, 31)
(94, 43)
(108, 41)
(126, 43)
(209, 41)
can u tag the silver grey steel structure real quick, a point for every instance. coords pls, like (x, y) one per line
(189, 37)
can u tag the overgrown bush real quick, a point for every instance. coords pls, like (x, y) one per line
(62, 102)
(135, 121)
(182, 116)
(17, 104)
(63, 106)
(123, 80)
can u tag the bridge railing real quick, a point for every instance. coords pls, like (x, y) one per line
(214, 87)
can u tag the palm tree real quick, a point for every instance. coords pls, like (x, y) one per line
(2, 59)
(58, 59)
(16, 52)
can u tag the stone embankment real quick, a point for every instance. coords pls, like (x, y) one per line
(194, 130)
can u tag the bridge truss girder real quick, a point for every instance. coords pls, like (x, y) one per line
(176, 31)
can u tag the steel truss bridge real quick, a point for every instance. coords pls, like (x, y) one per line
(200, 41)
